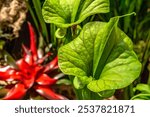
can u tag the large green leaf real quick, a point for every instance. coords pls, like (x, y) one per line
(65, 13)
(101, 58)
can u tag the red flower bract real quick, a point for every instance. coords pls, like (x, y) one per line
(30, 73)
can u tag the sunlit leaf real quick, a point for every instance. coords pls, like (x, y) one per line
(65, 13)
(101, 57)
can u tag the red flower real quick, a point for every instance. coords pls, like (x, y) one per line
(30, 73)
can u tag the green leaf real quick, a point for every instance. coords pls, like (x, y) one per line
(80, 82)
(106, 93)
(144, 92)
(144, 88)
(141, 97)
(65, 13)
(60, 33)
(103, 45)
(37, 6)
(103, 54)
(88, 95)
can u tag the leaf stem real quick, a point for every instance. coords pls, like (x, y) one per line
(52, 34)
(131, 90)
(68, 36)
(133, 13)
(125, 94)
(77, 92)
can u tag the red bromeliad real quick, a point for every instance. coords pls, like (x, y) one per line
(30, 74)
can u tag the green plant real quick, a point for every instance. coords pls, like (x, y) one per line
(137, 28)
(100, 58)
(144, 94)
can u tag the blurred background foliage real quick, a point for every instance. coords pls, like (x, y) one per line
(136, 27)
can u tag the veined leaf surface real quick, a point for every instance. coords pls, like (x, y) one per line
(65, 13)
(101, 57)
